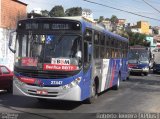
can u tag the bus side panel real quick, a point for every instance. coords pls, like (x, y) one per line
(110, 69)
(124, 69)
(112, 73)
(106, 70)
(86, 83)
(109, 74)
(105, 74)
(117, 67)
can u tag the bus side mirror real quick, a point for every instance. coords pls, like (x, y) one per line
(11, 41)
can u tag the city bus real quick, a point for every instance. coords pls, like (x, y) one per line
(64, 58)
(139, 59)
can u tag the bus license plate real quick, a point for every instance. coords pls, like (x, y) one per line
(42, 92)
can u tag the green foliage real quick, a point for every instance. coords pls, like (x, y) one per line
(57, 11)
(155, 31)
(101, 18)
(74, 11)
(45, 13)
(113, 19)
(137, 39)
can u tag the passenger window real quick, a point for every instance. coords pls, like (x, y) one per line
(88, 35)
(96, 38)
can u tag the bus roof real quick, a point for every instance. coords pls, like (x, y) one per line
(86, 22)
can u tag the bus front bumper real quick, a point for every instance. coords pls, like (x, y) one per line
(57, 93)
(143, 70)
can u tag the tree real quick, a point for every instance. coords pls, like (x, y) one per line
(113, 19)
(74, 11)
(57, 11)
(101, 18)
(45, 13)
(137, 39)
(155, 31)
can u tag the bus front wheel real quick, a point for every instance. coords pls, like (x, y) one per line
(94, 94)
(146, 73)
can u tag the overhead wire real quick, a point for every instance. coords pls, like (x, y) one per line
(127, 7)
(121, 10)
(151, 6)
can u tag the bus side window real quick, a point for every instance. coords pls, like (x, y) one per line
(96, 45)
(107, 53)
(88, 35)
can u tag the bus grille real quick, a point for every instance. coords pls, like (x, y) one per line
(44, 75)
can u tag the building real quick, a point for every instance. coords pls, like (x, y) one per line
(157, 39)
(144, 26)
(156, 30)
(121, 23)
(141, 27)
(107, 24)
(10, 12)
(152, 41)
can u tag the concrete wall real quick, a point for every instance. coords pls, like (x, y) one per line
(10, 12)
(6, 56)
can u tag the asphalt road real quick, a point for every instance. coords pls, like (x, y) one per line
(140, 94)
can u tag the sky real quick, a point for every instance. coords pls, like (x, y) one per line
(135, 6)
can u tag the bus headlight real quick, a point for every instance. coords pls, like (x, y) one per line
(145, 68)
(72, 84)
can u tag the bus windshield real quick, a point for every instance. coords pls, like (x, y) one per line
(45, 48)
(136, 56)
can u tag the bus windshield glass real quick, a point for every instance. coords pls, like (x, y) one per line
(136, 56)
(51, 49)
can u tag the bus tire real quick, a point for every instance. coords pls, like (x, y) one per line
(116, 87)
(154, 72)
(94, 94)
(146, 73)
